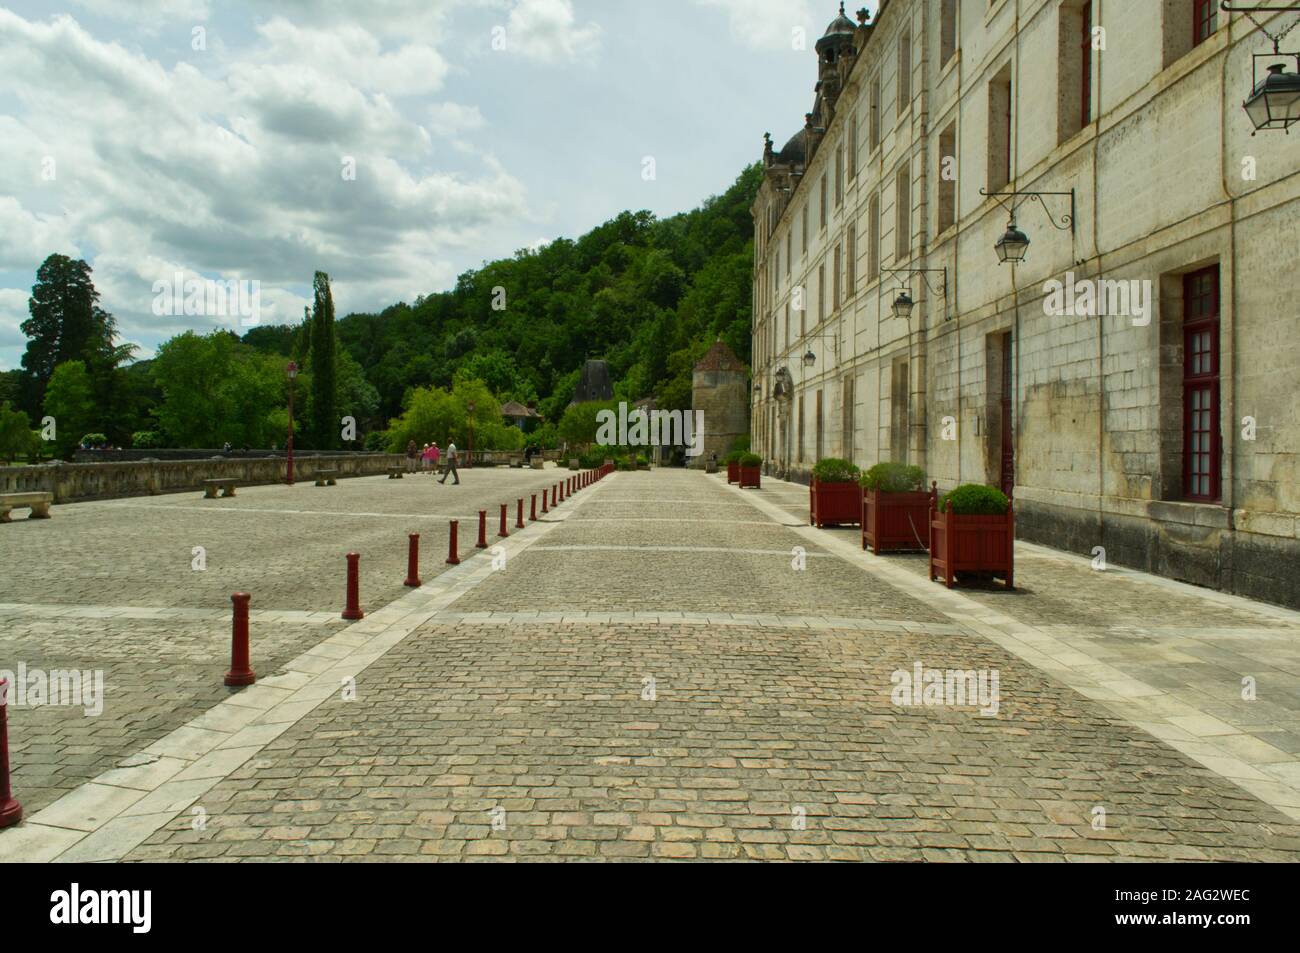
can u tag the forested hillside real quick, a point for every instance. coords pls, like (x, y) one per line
(647, 295)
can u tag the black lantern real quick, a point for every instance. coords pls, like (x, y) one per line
(903, 305)
(809, 359)
(1013, 244)
(1274, 103)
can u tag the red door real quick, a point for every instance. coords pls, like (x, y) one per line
(1008, 438)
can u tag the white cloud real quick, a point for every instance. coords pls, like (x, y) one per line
(235, 171)
(772, 24)
(547, 31)
(451, 119)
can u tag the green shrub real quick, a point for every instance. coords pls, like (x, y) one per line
(894, 478)
(733, 457)
(94, 439)
(146, 440)
(740, 444)
(834, 470)
(750, 460)
(641, 460)
(975, 499)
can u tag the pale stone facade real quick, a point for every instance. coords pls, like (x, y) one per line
(1167, 183)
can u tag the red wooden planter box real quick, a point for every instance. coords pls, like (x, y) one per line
(896, 521)
(834, 504)
(733, 472)
(749, 476)
(972, 544)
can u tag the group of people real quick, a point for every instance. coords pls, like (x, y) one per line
(429, 457)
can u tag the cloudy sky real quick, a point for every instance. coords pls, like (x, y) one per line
(214, 137)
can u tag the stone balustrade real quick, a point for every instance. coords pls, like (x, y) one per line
(71, 482)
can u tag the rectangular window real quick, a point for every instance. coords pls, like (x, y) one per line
(822, 201)
(947, 176)
(999, 130)
(853, 146)
(789, 242)
(803, 223)
(851, 261)
(786, 342)
(819, 425)
(839, 176)
(873, 238)
(873, 120)
(1085, 64)
(1202, 444)
(1205, 20)
(947, 31)
(776, 272)
(821, 293)
(799, 449)
(904, 73)
(846, 420)
(835, 281)
(903, 208)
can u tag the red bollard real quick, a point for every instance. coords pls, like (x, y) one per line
(519, 514)
(555, 495)
(544, 509)
(11, 812)
(453, 550)
(532, 509)
(503, 522)
(240, 673)
(482, 530)
(413, 561)
(353, 610)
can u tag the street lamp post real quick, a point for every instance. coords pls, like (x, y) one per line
(469, 459)
(293, 373)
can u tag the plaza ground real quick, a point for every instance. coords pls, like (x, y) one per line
(644, 675)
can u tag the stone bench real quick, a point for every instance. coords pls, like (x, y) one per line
(37, 502)
(539, 462)
(574, 464)
(210, 487)
(326, 477)
(395, 473)
(516, 461)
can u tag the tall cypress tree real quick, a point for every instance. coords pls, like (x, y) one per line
(325, 423)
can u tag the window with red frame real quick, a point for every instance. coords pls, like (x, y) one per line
(1085, 47)
(1205, 19)
(1202, 445)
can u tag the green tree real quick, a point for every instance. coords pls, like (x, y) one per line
(66, 324)
(15, 433)
(324, 407)
(70, 400)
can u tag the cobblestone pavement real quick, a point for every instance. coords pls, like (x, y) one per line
(110, 586)
(650, 677)
(516, 723)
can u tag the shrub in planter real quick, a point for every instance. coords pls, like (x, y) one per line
(895, 508)
(732, 460)
(834, 498)
(973, 530)
(750, 470)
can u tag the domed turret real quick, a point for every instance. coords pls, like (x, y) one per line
(838, 35)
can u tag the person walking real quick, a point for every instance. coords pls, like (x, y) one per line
(412, 453)
(451, 464)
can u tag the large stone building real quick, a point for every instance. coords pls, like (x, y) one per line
(1156, 415)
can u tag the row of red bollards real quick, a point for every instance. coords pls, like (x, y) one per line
(241, 672)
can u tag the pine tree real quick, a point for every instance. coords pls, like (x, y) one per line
(324, 411)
